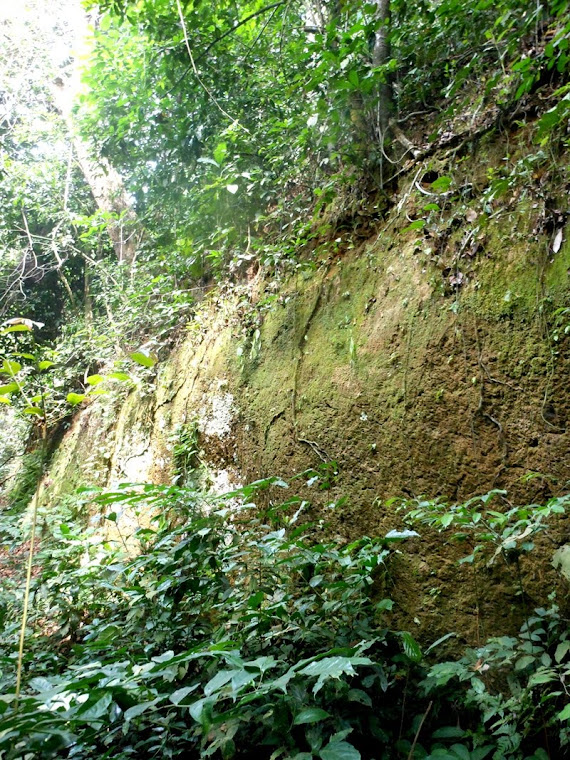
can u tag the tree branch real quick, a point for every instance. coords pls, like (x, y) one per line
(237, 26)
(223, 36)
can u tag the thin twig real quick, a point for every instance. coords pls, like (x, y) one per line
(30, 565)
(417, 736)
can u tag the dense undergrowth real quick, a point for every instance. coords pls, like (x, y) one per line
(233, 633)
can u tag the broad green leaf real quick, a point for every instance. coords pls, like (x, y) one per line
(145, 360)
(196, 709)
(564, 714)
(4, 400)
(542, 676)
(10, 368)
(33, 410)
(98, 709)
(16, 328)
(411, 647)
(221, 678)
(357, 695)
(339, 751)
(400, 535)
(220, 152)
(524, 661)
(139, 709)
(95, 379)
(460, 751)
(448, 732)
(332, 667)
(10, 388)
(310, 715)
(561, 650)
(45, 364)
(441, 183)
(122, 376)
(480, 753)
(416, 225)
(75, 398)
(177, 696)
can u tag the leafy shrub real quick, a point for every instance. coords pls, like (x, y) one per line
(229, 636)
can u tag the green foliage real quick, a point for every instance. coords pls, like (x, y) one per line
(506, 534)
(222, 631)
(25, 482)
(517, 683)
(225, 635)
(185, 451)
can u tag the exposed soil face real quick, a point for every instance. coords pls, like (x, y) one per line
(422, 362)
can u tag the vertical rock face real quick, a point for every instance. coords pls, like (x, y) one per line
(419, 363)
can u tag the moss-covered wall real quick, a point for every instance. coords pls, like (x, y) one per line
(420, 361)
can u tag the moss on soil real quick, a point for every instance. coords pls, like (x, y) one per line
(412, 379)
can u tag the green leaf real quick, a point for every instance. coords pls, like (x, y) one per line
(332, 667)
(139, 709)
(221, 678)
(339, 751)
(4, 400)
(564, 714)
(33, 410)
(411, 647)
(95, 379)
(357, 695)
(98, 709)
(220, 152)
(16, 328)
(542, 676)
(122, 376)
(441, 183)
(416, 225)
(460, 751)
(524, 661)
(10, 388)
(144, 359)
(45, 364)
(353, 78)
(177, 696)
(310, 715)
(561, 650)
(75, 398)
(10, 368)
(448, 732)
(400, 535)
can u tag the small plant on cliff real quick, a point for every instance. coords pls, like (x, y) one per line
(488, 531)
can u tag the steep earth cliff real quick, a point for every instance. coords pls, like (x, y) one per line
(421, 351)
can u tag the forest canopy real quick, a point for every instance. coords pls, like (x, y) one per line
(200, 135)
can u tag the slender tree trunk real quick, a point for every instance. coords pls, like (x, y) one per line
(381, 54)
(105, 182)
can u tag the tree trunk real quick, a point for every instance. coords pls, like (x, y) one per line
(105, 182)
(380, 56)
